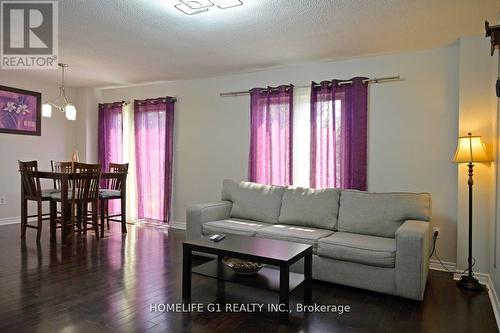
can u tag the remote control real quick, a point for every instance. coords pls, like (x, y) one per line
(217, 237)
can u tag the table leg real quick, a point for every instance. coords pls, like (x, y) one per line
(64, 208)
(53, 224)
(186, 272)
(284, 293)
(64, 222)
(123, 202)
(102, 216)
(24, 213)
(308, 279)
(220, 272)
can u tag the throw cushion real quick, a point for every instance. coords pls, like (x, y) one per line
(253, 201)
(380, 214)
(310, 207)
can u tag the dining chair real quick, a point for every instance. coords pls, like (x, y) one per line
(63, 167)
(60, 167)
(114, 189)
(83, 190)
(32, 191)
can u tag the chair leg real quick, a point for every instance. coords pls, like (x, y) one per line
(94, 219)
(24, 226)
(39, 220)
(101, 202)
(84, 218)
(107, 213)
(53, 223)
(123, 214)
(24, 218)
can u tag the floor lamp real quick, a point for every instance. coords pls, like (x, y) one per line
(470, 149)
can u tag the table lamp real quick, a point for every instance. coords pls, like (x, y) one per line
(470, 149)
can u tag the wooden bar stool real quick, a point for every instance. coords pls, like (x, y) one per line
(83, 190)
(63, 167)
(32, 191)
(60, 167)
(114, 189)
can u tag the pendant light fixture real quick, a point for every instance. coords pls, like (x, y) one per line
(193, 7)
(64, 106)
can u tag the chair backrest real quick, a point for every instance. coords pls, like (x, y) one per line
(30, 180)
(62, 167)
(116, 183)
(85, 181)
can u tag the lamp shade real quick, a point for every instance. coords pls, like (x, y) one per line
(70, 112)
(470, 149)
(47, 110)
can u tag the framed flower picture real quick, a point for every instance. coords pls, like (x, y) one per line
(20, 111)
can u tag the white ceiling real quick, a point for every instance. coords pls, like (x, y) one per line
(120, 42)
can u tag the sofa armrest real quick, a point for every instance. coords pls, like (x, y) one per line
(198, 214)
(412, 258)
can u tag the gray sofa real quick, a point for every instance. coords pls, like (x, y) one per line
(374, 241)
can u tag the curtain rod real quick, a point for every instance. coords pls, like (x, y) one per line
(373, 80)
(130, 102)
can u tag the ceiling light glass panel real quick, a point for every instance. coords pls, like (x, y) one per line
(197, 4)
(193, 7)
(224, 4)
(188, 11)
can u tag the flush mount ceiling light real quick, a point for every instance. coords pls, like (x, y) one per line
(65, 106)
(193, 7)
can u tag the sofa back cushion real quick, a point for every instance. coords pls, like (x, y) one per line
(380, 214)
(310, 208)
(253, 201)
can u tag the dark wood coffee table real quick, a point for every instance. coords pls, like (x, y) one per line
(267, 251)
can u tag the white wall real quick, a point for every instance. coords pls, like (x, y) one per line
(87, 102)
(477, 105)
(56, 142)
(412, 128)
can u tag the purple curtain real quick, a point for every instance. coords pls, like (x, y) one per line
(154, 130)
(339, 134)
(110, 134)
(110, 141)
(271, 133)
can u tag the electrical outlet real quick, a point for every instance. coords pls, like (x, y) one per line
(3, 200)
(436, 229)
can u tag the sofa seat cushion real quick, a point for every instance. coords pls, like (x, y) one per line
(293, 233)
(47, 193)
(362, 249)
(233, 226)
(380, 214)
(109, 194)
(253, 201)
(310, 208)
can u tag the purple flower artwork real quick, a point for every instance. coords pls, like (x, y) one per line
(20, 111)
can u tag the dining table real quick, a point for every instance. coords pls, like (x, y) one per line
(63, 178)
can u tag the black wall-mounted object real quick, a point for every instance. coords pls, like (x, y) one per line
(494, 33)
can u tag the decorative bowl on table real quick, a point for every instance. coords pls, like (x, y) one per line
(242, 267)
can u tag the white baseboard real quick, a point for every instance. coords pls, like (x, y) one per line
(177, 225)
(10, 220)
(494, 300)
(171, 224)
(436, 265)
(17, 219)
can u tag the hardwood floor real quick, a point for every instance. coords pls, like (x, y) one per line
(109, 286)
